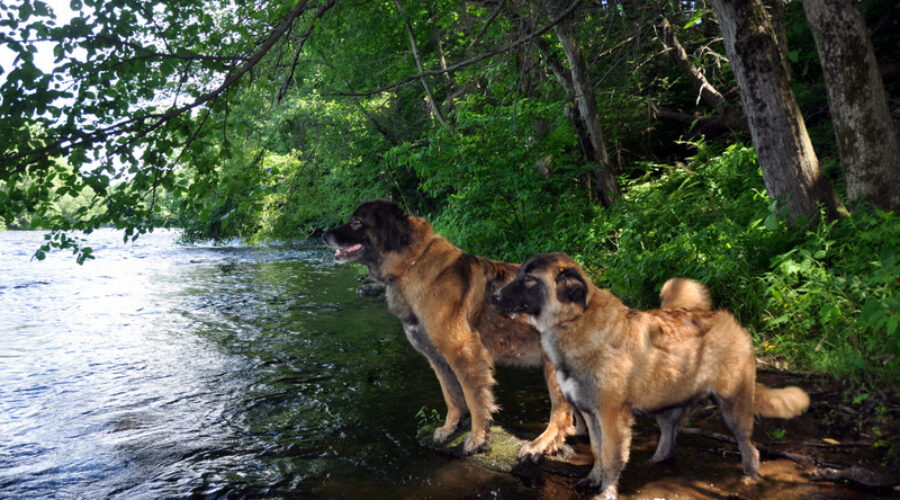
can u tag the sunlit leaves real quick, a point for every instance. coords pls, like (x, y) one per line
(104, 102)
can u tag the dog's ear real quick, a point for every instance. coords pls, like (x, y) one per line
(571, 287)
(394, 230)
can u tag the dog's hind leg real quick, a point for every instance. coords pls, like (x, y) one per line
(560, 425)
(737, 411)
(668, 421)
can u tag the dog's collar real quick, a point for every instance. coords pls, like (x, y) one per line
(395, 279)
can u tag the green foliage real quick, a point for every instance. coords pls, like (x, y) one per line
(506, 175)
(708, 220)
(133, 128)
(428, 418)
(833, 301)
(825, 298)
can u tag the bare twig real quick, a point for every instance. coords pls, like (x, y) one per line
(487, 23)
(418, 58)
(290, 76)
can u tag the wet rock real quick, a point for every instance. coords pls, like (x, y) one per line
(502, 453)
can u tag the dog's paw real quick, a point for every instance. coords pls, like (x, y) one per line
(527, 454)
(565, 452)
(443, 433)
(610, 493)
(474, 443)
(588, 483)
(533, 451)
(662, 457)
(548, 443)
(751, 480)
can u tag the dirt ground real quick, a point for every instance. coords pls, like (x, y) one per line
(847, 445)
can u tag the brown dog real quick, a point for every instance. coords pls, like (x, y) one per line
(441, 295)
(612, 360)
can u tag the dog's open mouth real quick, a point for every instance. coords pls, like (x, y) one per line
(348, 253)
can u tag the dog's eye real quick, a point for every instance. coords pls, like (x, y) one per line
(529, 282)
(355, 224)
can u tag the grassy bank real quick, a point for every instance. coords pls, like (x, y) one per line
(822, 297)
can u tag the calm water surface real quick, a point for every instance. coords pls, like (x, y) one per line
(161, 371)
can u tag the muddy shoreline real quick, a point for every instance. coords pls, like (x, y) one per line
(845, 446)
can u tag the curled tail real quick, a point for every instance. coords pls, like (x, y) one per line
(787, 402)
(683, 293)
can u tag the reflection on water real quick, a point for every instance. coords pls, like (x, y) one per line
(164, 371)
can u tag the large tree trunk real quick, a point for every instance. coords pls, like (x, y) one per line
(789, 164)
(866, 139)
(586, 102)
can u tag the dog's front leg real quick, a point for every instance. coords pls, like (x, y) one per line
(561, 424)
(615, 425)
(450, 388)
(595, 435)
(472, 365)
(453, 398)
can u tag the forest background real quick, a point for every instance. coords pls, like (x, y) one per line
(750, 144)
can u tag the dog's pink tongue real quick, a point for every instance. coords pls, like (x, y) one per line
(344, 251)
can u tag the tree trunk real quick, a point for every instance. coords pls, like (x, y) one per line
(789, 164)
(586, 102)
(866, 138)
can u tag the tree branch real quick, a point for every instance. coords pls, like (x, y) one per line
(488, 23)
(462, 64)
(283, 90)
(25, 158)
(418, 58)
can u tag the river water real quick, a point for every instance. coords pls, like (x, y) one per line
(166, 371)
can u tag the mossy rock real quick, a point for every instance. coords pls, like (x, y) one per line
(501, 453)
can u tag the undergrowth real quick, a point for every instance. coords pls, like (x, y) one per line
(822, 297)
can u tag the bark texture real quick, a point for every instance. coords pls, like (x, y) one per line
(586, 103)
(866, 138)
(789, 164)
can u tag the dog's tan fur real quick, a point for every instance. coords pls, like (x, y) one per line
(440, 293)
(613, 360)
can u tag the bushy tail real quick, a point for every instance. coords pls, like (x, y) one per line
(780, 403)
(683, 293)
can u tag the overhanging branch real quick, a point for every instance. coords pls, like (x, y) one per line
(23, 159)
(462, 64)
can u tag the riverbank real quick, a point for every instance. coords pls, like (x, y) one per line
(844, 446)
